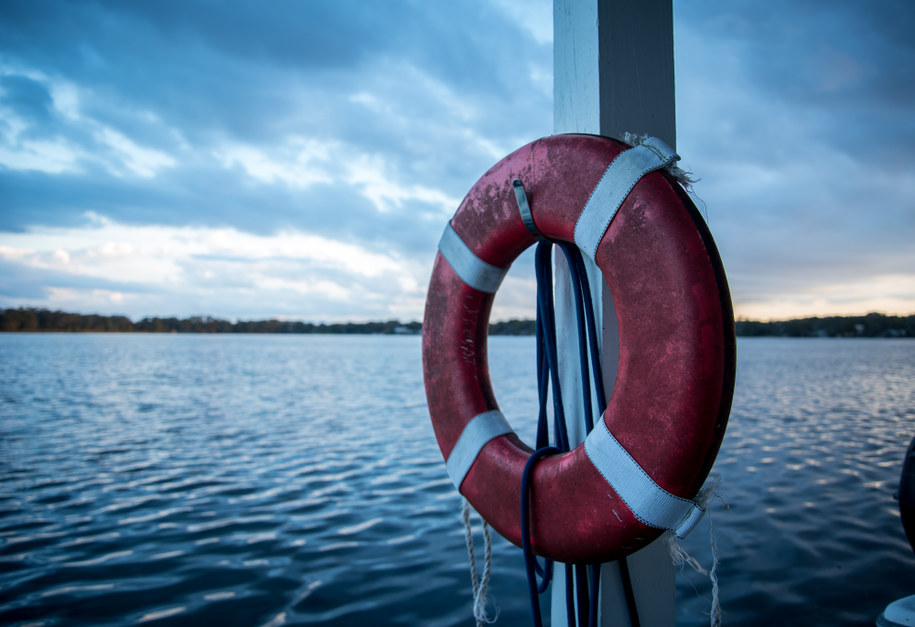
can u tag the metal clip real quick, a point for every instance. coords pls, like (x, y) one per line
(525, 209)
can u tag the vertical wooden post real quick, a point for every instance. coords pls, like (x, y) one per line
(613, 72)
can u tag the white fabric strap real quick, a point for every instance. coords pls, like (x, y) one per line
(473, 271)
(479, 431)
(618, 180)
(650, 503)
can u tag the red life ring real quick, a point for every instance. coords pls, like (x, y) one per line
(675, 377)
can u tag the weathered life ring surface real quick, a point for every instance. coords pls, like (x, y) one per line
(675, 375)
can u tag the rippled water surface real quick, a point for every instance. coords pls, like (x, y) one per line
(270, 480)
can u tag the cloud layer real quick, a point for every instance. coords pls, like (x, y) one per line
(797, 119)
(301, 161)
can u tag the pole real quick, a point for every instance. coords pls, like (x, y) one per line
(613, 71)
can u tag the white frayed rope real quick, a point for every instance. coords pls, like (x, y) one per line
(680, 557)
(481, 585)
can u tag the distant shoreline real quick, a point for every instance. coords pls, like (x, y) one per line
(44, 320)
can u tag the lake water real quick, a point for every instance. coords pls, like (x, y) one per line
(280, 480)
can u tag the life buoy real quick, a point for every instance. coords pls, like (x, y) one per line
(675, 375)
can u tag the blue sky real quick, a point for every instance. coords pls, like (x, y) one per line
(300, 159)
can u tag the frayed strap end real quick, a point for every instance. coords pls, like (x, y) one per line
(689, 522)
(684, 177)
(680, 557)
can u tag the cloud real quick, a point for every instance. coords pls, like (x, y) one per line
(797, 133)
(45, 130)
(360, 126)
(291, 274)
(261, 92)
(843, 70)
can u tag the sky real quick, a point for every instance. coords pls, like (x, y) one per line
(299, 160)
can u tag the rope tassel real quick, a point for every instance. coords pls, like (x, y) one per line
(680, 557)
(481, 585)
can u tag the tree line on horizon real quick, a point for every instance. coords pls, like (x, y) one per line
(30, 319)
(33, 319)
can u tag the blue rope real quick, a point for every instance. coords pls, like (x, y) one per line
(583, 578)
(581, 291)
(578, 266)
(530, 561)
(546, 323)
(586, 578)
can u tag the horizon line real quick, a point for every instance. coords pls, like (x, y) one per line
(737, 319)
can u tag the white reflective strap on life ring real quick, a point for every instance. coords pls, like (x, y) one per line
(650, 503)
(481, 429)
(617, 181)
(473, 271)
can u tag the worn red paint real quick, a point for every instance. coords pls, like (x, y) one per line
(675, 377)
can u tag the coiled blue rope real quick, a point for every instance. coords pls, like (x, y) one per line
(583, 578)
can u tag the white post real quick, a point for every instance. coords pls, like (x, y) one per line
(613, 72)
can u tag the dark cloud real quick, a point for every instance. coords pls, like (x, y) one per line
(413, 83)
(240, 70)
(846, 69)
(367, 122)
(797, 118)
